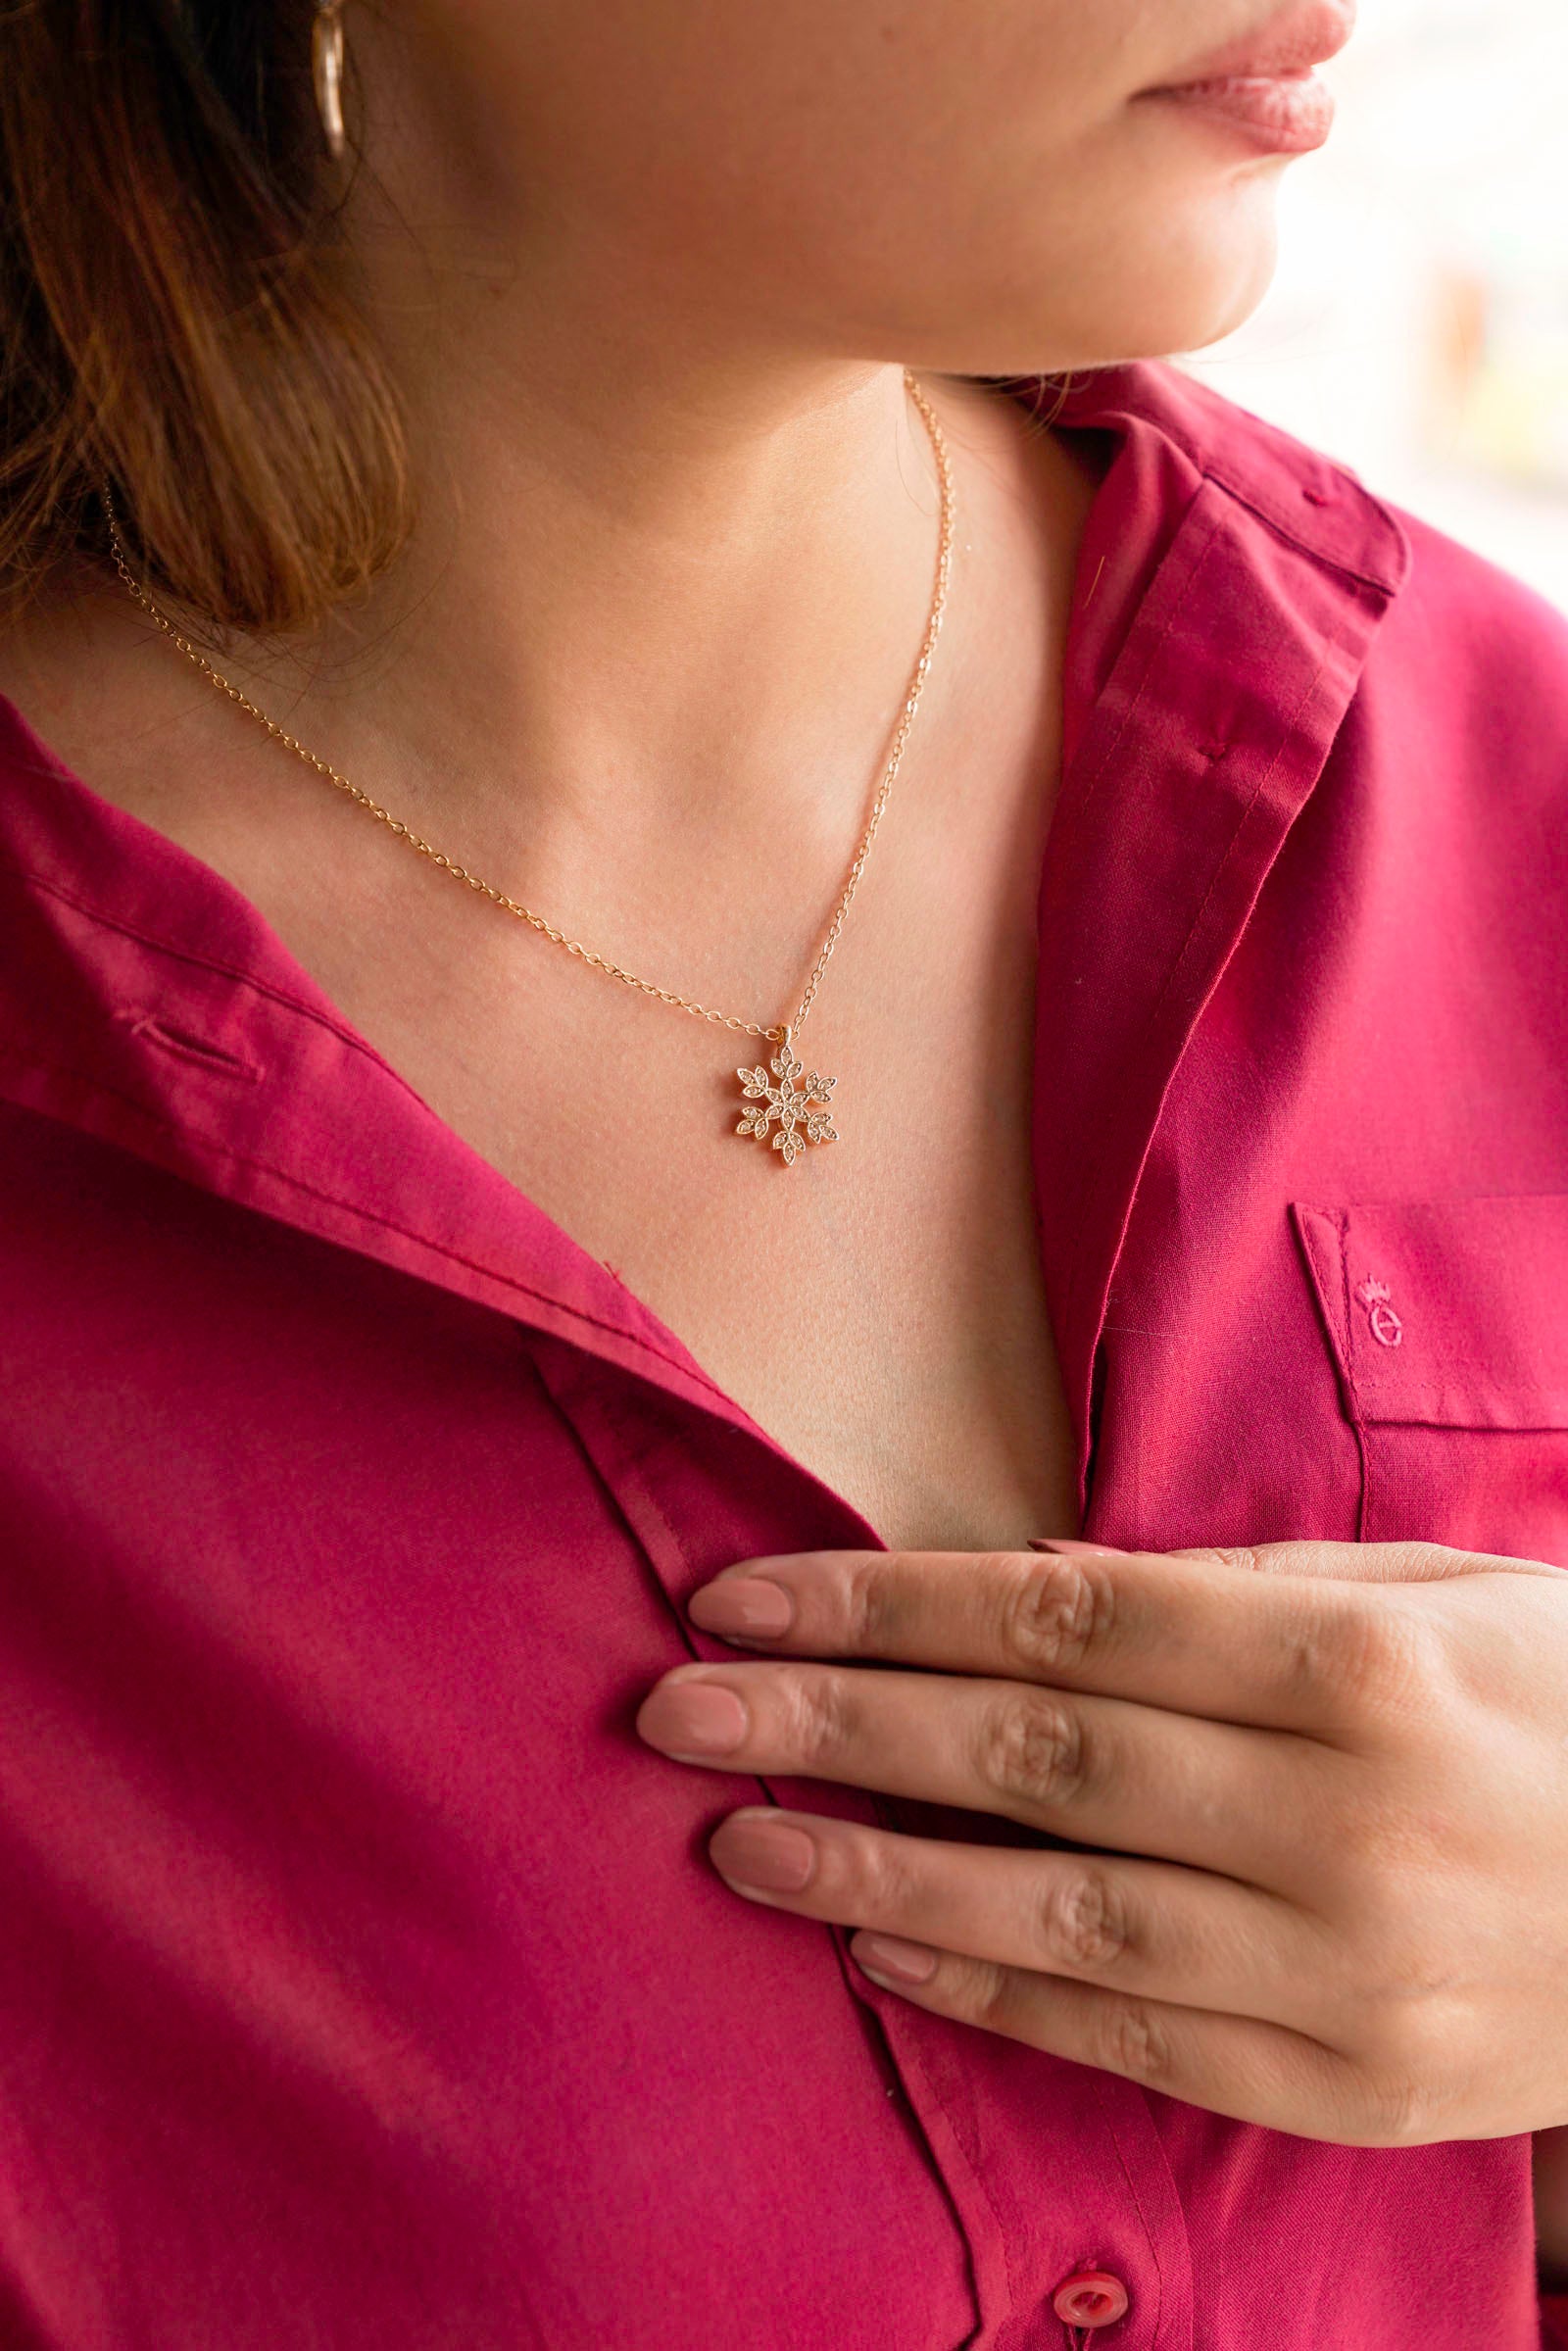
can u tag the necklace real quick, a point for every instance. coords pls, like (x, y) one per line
(783, 1103)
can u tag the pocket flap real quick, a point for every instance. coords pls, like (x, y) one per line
(1453, 1312)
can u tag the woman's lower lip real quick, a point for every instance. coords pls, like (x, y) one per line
(1283, 114)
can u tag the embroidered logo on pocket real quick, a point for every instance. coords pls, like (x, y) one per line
(1387, 1328)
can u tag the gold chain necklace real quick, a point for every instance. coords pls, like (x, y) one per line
(784, 1095)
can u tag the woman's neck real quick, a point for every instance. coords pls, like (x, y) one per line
(672, 563)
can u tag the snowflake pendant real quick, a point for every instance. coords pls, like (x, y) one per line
(802, 1105)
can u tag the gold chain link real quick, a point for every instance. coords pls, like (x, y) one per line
(779, 1030)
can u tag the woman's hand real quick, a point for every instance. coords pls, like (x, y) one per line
(1328, 1786)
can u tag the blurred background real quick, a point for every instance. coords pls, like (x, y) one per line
(1417, 328)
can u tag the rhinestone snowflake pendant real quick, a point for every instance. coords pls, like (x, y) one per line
(800, 1102)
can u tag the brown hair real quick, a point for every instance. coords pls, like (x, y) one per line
(173, 315)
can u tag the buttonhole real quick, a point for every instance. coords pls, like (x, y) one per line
(200, 1049)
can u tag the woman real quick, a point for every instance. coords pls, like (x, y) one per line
(711, 475)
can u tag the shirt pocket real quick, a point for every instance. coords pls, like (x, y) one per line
(1448, 1324)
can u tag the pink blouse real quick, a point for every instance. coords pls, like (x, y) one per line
(363, 1977)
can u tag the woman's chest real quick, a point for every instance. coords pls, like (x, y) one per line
(874, 1302)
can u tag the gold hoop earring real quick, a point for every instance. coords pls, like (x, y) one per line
(326, 65)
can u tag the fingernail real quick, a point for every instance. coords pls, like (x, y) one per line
(692, 1718)
(1074, 1550)
(748, 1605)
(888, 1955)
(768, 1854)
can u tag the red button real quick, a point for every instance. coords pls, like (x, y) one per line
(1090, 2298)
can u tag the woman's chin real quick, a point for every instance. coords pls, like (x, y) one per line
(1131, 293)
(1170, 307)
